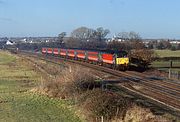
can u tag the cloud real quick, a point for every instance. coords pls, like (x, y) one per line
(5, 19)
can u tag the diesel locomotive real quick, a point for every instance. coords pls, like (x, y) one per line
(115, 59)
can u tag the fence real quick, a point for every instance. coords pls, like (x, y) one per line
(174, 74)
(171, 74)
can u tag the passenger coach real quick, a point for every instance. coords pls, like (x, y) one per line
(114, 59)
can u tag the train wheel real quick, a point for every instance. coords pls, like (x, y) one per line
(114, 67)
(123, 68)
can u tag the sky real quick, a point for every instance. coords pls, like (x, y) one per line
(149, 18)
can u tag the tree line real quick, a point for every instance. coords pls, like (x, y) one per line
(163, 44)
(88, 38)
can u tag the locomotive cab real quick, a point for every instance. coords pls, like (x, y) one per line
(122, 60)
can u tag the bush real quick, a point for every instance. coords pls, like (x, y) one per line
(80, 86)
(69, 83)
(106, 104)
(142, 58)
(173, 48)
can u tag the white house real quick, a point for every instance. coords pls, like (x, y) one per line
(175, 42)
(9, 42)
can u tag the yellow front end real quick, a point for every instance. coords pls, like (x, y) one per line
(122, 61)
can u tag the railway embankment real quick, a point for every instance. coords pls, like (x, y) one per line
(18, 77)
(83, 88)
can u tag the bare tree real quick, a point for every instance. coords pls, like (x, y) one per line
(61, 37)
(132, 40)
(133, 43)
(123, 35)
(82, 33)
(130, 36)
(116, 45)
(133, 36)
(90, 38)
(73, 43)
(100, 33)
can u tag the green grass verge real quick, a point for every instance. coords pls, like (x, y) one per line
(18, 104)
(165, 65)
(167, 53)
(6, 58)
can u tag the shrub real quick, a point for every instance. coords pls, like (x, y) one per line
(173, 48)
(106, 104)
(69, 83)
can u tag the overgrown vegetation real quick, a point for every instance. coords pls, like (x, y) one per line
(87, 93)
(107, 104)
(18, 104)
(77, 86)
(91, 101)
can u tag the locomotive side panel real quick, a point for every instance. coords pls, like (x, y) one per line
(80, 54)
(71, 53)
(107, 58)
(49, 50)
(62, 52)
(55, 51)
(93, 56)
(44, 50)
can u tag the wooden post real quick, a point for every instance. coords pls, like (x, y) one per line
(70, 69)
(102, 119)
(169, 73)
(102, 85)
(170, 63)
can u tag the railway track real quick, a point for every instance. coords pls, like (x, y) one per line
(173, 84)
(163, 93)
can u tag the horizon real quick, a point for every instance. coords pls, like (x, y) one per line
(106, 38)
(43, 18)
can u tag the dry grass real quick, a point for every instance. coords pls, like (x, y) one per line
(139, 114)
(17, 104)
(69, 83)
(78, 85)
(103, 103)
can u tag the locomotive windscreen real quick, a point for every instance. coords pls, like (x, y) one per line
(122, 54)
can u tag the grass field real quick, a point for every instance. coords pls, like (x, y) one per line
(19, 104)
(167, 53)
(166, 64)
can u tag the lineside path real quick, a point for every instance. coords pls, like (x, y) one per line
(165, 95)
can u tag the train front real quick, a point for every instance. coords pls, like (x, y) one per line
(122, 60)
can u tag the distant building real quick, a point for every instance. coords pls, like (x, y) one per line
(115, 39)
(10, 42)
(175, 42)
(23, 40)
(47, 41)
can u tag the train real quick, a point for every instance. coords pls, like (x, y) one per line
(114, 59)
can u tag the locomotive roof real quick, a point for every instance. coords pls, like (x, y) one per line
(100, 50)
